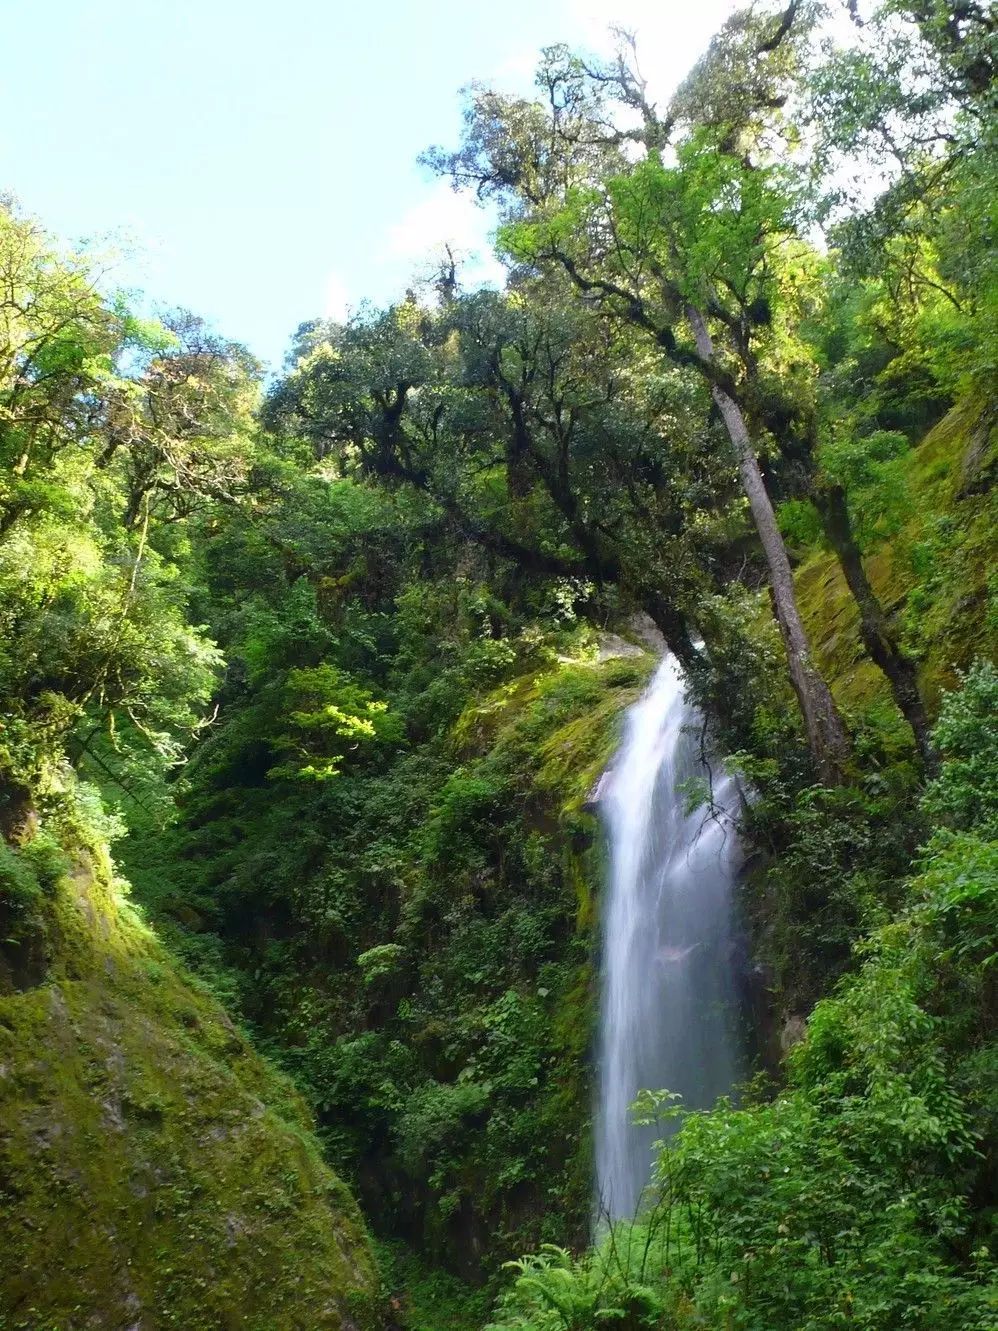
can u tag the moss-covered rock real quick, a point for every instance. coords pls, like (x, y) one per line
(554, 731)
(934, 575)
(154, 1171)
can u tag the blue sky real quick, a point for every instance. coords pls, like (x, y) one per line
(256, 159)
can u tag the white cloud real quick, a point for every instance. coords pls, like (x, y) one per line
(442, 217)
(336, 299)
(439, 217)
(516, 72)
(671, 34)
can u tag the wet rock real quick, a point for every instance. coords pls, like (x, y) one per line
(793, 1031)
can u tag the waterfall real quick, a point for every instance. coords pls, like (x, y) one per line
(667, 1018)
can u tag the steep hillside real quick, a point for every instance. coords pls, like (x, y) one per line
(429, 979)
(415, 939)
(930, 523)
(154, 1171)
(830, 864)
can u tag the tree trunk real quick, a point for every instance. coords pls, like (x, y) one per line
(878, 639)
(672, 626)
(825, 732)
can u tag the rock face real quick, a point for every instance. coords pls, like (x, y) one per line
(612, 646)
(154, 1171)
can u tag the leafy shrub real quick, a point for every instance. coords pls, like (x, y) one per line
(851, 1199)
(965, 794)
(19, 886)
(28, 876)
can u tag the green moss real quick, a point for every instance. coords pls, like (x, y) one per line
(565, 720)
(558, 729)
(935, 577)
(154, 1171)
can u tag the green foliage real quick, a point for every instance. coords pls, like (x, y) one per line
(425, 1298)
(469, 807)
(172, 1170)
(849, 1197)
(327, 711)
(112, 432)
(335, 663)
(145, 1141)
(872, 471)
(433, 993)
(378, 962)
(799, 522)
(21, 887)
(837, 860)
(27, 874)
(965, 794)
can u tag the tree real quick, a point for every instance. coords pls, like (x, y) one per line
(58, 343)
(665, 247)
(112, 430)
(178, 428)
(621, 455)
(529, 426)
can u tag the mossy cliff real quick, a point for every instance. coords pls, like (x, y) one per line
(154, 1171)
(497, 938)
(556, 729)
(430, 984)
(832, 864)
(931, 561)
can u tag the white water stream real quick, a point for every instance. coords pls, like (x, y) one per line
(667, 1017)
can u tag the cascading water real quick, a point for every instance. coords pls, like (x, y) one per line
(667, 1016)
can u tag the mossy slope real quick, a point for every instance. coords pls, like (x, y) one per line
(154, 1171)
(556, 728)
(933, 570)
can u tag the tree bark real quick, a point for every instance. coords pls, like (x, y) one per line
(881, 645)
(875, 631)
(672, 625)
(826, 734)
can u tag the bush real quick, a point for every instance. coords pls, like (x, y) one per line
(965, 794)
(853, 1198)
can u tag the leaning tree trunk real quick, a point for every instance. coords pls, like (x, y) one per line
(879, 641)
(826, 735)
(672, 625)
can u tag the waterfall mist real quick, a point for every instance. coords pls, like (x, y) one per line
(667, 1017)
